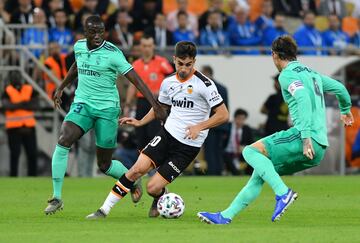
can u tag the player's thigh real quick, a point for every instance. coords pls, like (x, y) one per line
(106, 129)
(181, 156)
(157, 149)
(80, 115)
(285, 149)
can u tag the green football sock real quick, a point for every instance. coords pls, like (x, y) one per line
(265, 169)
(248, 194)
(116, 170)
(59, 164)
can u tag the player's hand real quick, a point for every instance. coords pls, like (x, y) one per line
(308, 149)
(347, 119)
(57, 98)
(192, 132)
(160, 113)
(129, 121)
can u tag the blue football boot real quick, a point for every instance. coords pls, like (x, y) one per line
(213, 218)
(282, 203)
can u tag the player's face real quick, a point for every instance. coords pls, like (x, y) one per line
(184, 66)
(94, 34)
(276, 61)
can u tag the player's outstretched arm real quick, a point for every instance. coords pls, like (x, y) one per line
(342, 95)
(160, 113)
(69, 78)
(138, 123)
(220, 116)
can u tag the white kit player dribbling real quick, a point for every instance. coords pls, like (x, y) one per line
(195, 106)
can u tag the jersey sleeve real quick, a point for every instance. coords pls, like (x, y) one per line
(211, 94)
(290, 82)
(119, 62)
(164, 97)
(333, 86)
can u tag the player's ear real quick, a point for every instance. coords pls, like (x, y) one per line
(174, 59)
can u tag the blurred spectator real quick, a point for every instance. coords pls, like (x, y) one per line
(23, 13)
(122, 5)
(265, 19)
(355, 8)
(89, 7)
(19, 102)
(276, 110)
(4, 15)
(334, 37)
(216, 140)
(240, 136)
(34, 36)
(294, 8)
(335, 7)
(244, 33)
(120, 34)
(355, 39)
(182, 33)
(127, 151)
(172, 18)
(213, 34)
(215, 5)
(49, 8)
(152, 69)
(56, 63)
(308, 37)
(272, 32)
(60, 33)
(356, 146)
(159, 33)
(144, 13)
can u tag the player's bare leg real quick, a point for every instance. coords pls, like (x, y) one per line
(69, 133)
(156, 188)
(142, 166)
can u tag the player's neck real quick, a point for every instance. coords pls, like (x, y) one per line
(148, 58)
(283, 64)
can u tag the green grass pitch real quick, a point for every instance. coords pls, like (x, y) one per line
(327, 210)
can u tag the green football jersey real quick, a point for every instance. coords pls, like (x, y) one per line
(97, 73)
(303, 90)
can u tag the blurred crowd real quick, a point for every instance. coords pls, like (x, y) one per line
(215, 25)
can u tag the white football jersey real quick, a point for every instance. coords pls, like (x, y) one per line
(191, 102)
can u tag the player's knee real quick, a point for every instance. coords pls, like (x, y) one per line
(65, 140)
(103, 165)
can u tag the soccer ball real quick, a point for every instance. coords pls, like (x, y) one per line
(171, 206)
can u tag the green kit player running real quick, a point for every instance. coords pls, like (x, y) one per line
(96, 104)
(298, 148)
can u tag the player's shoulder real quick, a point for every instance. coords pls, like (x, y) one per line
(202, 79)
(170, 77)
(111, 47)
(80, 44)
(160, 58)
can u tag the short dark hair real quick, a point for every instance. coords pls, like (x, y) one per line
(286, 48)
(181, 13)
(94, 19)
(208, 69)
(59, 10)
(240, 112)
(307, 13)
(185, 49)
